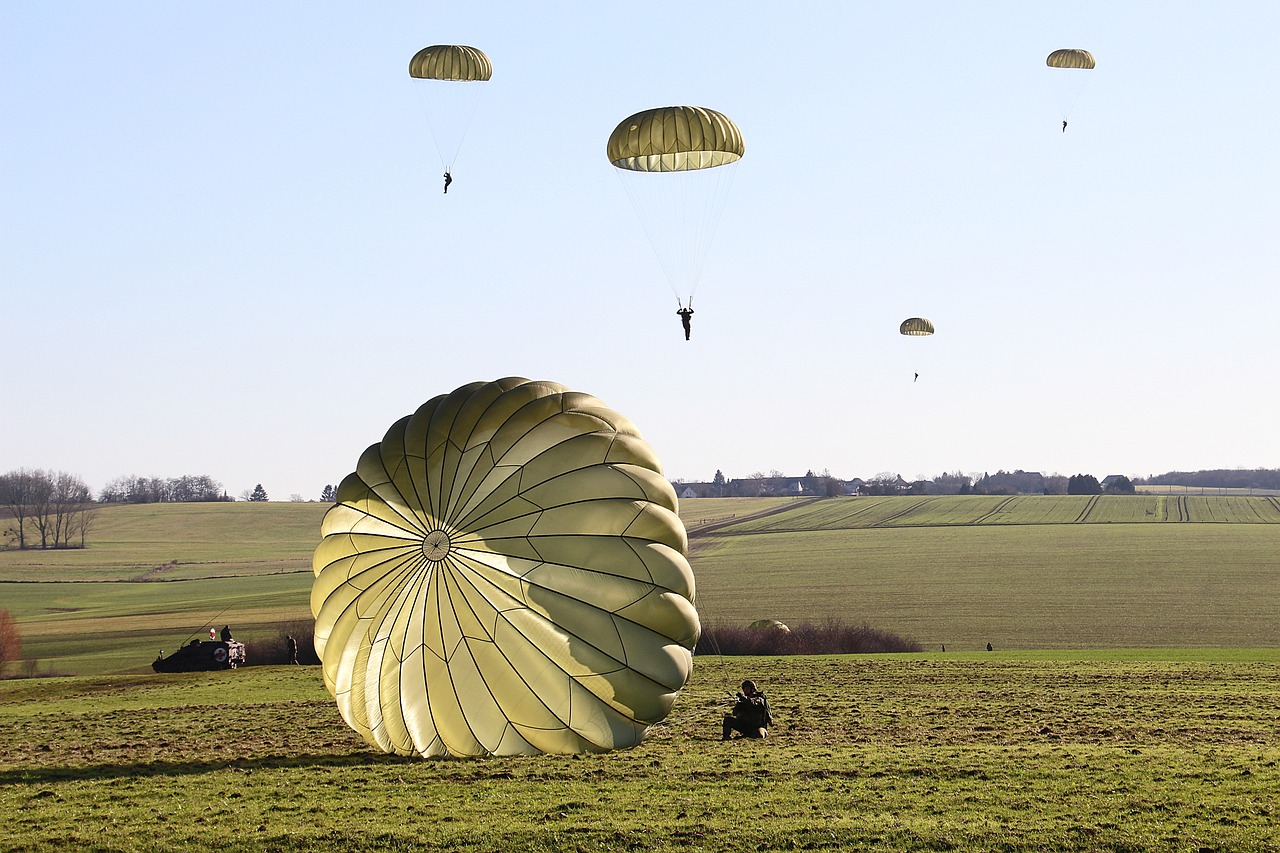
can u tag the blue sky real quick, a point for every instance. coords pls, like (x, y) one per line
(224, 249)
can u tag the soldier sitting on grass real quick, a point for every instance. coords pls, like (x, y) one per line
(750, 716)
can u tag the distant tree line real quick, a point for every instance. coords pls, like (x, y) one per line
(132, 489)
(1220, 478)
(52, 508)
(1019, 482)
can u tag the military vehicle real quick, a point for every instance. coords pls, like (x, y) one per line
(197, 656)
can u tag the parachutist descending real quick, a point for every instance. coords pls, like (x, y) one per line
(448, 179)
(917, 376)
(1064, 126)
(676, 164)
(686, 315)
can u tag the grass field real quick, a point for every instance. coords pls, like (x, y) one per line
(1118, 751)
(1023, 572)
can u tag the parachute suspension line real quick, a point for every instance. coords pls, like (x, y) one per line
(703, 232)
(1071, 96)
(449, 108)
(679, 212)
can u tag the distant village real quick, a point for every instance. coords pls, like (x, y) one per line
(1018, 482)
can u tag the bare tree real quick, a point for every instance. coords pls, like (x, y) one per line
(42, 504)
(16, 492)
(80, 522)
(69, 499)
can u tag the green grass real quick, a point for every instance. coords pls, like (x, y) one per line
(1156, 751)
(158, 542)
(1022, 572)
(1016, 586)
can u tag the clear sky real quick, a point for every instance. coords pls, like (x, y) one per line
(224, 249)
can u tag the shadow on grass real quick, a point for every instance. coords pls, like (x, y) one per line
(106, 772)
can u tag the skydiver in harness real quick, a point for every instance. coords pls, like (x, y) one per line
(448, 179)
(1064, 125)
(686, 315)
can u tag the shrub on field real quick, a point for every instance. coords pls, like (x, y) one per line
(10, 640)
(828, 638)
(275, 648)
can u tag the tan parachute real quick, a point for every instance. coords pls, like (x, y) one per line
(675, 139)
(1070, 57)
(916, 327)
(1069, 86)
(677, 165)
(505, 573)
(448, 91)
(454, 62)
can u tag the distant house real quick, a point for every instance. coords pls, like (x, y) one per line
(755, 487)
(1117, 483)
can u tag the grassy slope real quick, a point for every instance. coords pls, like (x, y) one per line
(177, 541)
(1022, 572)
(983, 752)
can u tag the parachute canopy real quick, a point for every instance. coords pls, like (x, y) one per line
(453, 62)
(675, 139)
(677, 165)
(916, 327)
(769, 625)
(1070, 57)
(505, 573)
(449, 107)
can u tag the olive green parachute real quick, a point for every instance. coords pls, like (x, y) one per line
(505, 573)
(677, 165)
(1070, 58)
(769, 625)
(444, 76)
(453, 62)
(675, 139)
(1069, 87)
(916, 327)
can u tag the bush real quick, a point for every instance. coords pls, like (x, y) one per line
(10, 640)
(829, 638)
(275, 649)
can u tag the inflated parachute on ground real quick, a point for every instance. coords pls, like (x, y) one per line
(677, 165)
(915, 327)
(449, 73)
(505, 573)
(1070, 58)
